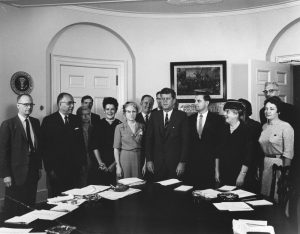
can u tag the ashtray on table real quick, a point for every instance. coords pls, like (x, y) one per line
(60, 229)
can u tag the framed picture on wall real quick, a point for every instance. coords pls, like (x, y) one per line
(201, 76)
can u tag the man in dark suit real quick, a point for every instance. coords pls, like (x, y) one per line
(63, 147)
(288, 111)
(143, 117)
(205, 131)
(158, 101)
(87, 101)
(20, 162)
(167, 139)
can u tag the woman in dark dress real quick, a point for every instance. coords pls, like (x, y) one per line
(235, 154)
(103, 143)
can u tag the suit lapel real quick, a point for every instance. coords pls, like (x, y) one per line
(161, 123)
(20, 126)
(171, 123)
(207, 123)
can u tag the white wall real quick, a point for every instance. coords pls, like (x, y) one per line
(25, 35)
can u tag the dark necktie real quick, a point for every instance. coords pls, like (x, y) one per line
(146, 118)
(200, 129)
(67, 123)
(29, 136)
(166, 120)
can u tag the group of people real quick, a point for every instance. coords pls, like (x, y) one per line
(204, 149)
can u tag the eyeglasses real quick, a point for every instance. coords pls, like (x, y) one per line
(27, 104)
(270, 91)
(129, 112)
(69, 103)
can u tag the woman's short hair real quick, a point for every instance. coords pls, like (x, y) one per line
(111, 101)
(130, 104)
(276, 101)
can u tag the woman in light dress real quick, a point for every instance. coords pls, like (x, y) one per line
(128, 144)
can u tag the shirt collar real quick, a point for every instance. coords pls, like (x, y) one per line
(203, 114)
(22, 118)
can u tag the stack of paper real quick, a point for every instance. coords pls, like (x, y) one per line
(112, 195)
(206, 193)
(243, 193)
(131, 181)
(245, 226)
(227, 188)
(64, 208)
(14, 230)
(183, 188)
(88, 190)
(233, 206)
(59, 199)
(259, 203)
(24, 219)
(169, 182)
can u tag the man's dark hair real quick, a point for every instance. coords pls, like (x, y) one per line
(86, 97)
(159, 92)
(205, 95)
(168, 91)
(110, 100)
(276, 101)
(147, 95)
(21, 95)
(61, 96)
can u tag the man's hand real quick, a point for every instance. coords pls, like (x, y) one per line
(7, 181)
(111, 167)
(217, 177)
(180, 168)
(240, 180)
(150, 167)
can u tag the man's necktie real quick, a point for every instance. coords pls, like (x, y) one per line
(67, 123)
(146, 118)
(200, 129)
(166, 120)
(31, 147)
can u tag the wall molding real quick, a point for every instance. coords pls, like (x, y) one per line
(241, 11)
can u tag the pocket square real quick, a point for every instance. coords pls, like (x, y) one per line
(76, 129)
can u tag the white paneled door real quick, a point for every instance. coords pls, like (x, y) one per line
(80, 77)
(261, 72)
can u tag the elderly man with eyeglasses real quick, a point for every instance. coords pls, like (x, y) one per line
(20, 161)
(63, 148)
(288, 113)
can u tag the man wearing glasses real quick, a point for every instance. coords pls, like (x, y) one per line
(20, 162)
(288, 112)
(63, 148)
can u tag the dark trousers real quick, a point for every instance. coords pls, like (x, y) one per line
(18, 198)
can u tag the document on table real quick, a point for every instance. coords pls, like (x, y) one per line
(246, 226)
(59, 199)
(233, 206)
(183, 188)
(226, 188)
(243, 193)
(64, 207)
(169, 182)
(259, 203)
(88, 190)
(112, 195)
(207, 193)
(24, 219)
(14, 230)
(131, 181)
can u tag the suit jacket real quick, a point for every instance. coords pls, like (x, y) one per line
(204, 151)
(167, 146)
(14, 149)
(95, 119)
(63, 148)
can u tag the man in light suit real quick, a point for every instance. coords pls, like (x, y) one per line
(205, 131)
(20, 162)
(167, 139)
(87, 101)
(63, 149)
